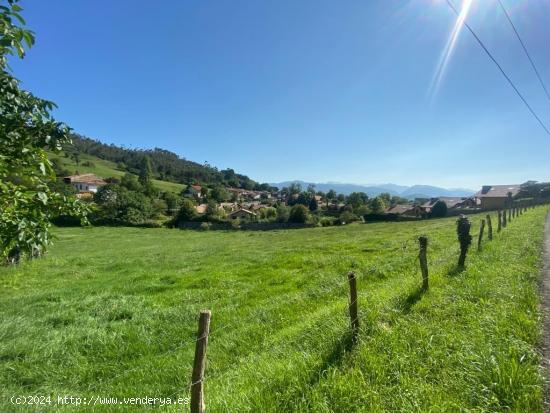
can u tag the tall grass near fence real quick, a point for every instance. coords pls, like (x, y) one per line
(113, 311)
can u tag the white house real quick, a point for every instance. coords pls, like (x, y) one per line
(85, 182)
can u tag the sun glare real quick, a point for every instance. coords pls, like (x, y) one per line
(449, 47)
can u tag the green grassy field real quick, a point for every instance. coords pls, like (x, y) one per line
(106, 169)
(112, 312)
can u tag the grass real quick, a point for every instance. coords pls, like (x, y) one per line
(107, 169)
(112, 312)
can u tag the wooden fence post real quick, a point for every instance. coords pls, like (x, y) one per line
(510, 215)
(480, 237)
(464, 238)
(197, 385)
(489, 227)
(504, 219)
(354, 317)
(499, 223)
(423, 241)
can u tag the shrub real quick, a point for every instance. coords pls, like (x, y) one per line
(299, 214)
(326, 221)
(186, 212)
(346, 217)
(205, 226)
(282, 213)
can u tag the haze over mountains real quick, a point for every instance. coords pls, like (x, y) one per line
(410, 192)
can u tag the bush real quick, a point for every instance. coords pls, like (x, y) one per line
(186, 213)
(118, 205)
(299, 214)
(282, 213)
(346, 217)
(205, 226)
(327, 222)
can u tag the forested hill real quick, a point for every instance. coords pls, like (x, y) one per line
(165, 165)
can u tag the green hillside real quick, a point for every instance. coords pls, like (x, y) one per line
(112, 312)
(106, 169)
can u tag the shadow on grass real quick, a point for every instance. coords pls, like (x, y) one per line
(334, 359)
(455, 270)
(406, 303)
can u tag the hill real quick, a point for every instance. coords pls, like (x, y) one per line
(112, 311)
(105, 169)
(166, 166)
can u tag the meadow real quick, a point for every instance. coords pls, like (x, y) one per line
(113, 312)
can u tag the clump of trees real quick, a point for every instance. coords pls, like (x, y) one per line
(28, 199)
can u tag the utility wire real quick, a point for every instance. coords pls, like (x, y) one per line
(524, 48)
(451, 5)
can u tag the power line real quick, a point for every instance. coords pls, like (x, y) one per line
(451, 5)
(524, 49)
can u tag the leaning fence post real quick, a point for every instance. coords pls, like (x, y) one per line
(480, 237)
(197, 385)
(499, 223)
(353, 304)
(489, 227)
(423, 241)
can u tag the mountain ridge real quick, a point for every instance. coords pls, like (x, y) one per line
(410, 192)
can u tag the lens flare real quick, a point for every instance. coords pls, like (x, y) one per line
(449, 47)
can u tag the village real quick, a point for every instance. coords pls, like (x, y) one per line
(257, 205)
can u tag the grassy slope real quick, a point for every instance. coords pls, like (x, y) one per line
(106, 169)
(112, 311)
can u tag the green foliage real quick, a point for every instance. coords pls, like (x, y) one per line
(357, 199)
(186, 213)
(282, 213)
(28, 202)
(313, 204)
(347, 217)
(172, 200)
(220, 194)
(121, 206)
(439, 210)
(377, 205)
(299, 214)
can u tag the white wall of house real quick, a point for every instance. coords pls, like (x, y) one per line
(85, 187)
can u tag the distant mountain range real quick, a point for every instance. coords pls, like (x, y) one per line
(409, 192)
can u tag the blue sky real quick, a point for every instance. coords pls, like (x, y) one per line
(316, 90)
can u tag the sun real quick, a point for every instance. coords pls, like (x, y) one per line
(450, 45)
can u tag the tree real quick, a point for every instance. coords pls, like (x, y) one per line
(299, 214)
(439, 210)
(282, 213)
(219, 193)
(187, 211)
(377, 205)
(330, 196)
(313, 204)
(145, 171)
(27, 129)
(171, 200)
(357, 199)
(122, 206)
